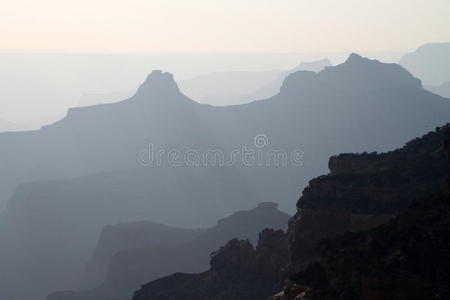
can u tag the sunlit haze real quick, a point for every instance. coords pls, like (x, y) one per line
(161, 26)
(224, 149)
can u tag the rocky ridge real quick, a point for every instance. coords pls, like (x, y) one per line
(238, 271)
(367, 197)
(130, 267)
(405, 258)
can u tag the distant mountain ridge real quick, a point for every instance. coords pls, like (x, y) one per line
(127, 236)
(228, 88)
(360, 105)
(429, 62)
(129, 268)
(441, 90)
(223, 88)
(274, 86)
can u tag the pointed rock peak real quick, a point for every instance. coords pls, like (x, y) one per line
(356, 72)
(356, 58)
(371, 72)
(158, 83)
(156, 75)
(356, 62)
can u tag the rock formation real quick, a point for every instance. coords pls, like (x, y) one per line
(357, 232)
(86, 168)
(406, 258)
(130, 268)
(376, 228)
(238, 272)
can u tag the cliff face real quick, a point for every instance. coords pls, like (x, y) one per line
(407, 258)
(137, 264)
(339, 246)
(129, 269)
(357, 232)
(364, 191)
(238, 271)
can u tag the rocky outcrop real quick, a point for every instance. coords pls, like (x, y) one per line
(382, 232)
(129, 269)
(364, 191)
(364, 216)
(238, 271)
(407, 258)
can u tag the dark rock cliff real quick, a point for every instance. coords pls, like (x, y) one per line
(334, 257)
(238, 271)
(365, 190)
(375, 228)
(130, 268)
(406, 258)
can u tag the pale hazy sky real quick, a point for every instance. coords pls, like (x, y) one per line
(221, 25)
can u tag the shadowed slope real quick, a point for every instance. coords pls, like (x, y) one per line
(129, 269)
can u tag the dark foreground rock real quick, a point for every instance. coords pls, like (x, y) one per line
(405, 258)
(377, 227)
(238, 271)
(364, 191)
(129, 269)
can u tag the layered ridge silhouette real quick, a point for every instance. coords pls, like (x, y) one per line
(129, 268)
(360, 105)
(430, 62)
(388, 211)
(227, 88)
